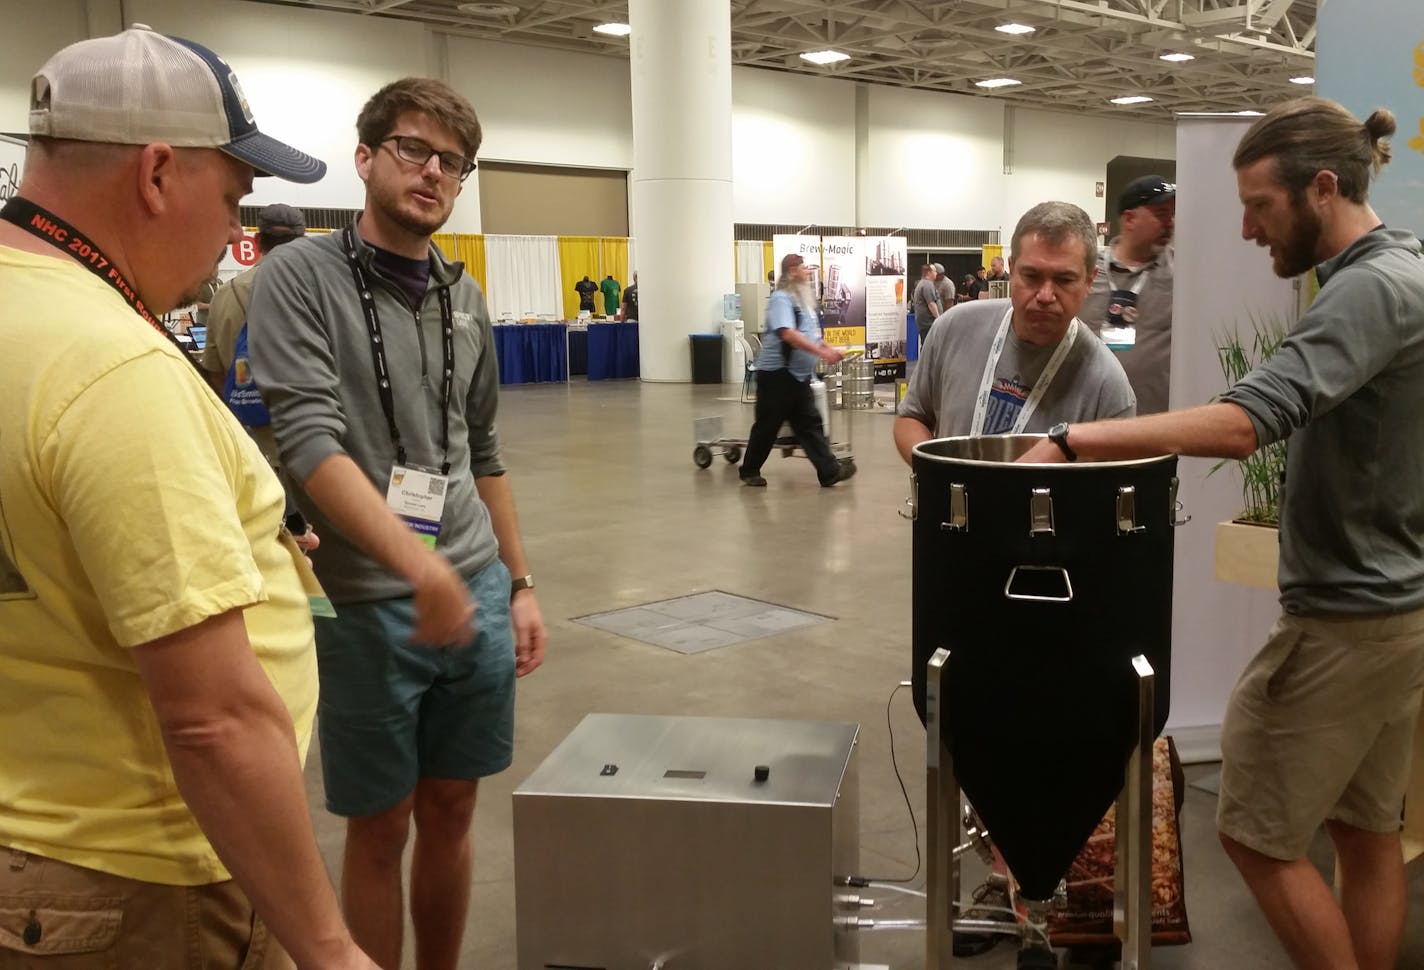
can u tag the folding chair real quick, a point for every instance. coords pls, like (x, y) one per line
(749, 351)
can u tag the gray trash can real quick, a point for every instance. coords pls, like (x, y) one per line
(706, 358)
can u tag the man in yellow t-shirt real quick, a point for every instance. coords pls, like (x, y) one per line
(157, 669)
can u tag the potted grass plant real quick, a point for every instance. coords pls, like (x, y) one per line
(1248, 545)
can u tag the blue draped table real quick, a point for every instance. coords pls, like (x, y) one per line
(532, 353)
(612, 350)
(578, 351)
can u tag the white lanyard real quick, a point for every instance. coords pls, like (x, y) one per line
(1040, 386)
(1136, 288)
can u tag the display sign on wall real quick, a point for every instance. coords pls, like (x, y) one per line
(242, 255)
(861, 284)
(1370, 54)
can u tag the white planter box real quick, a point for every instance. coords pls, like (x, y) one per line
(1247, 554)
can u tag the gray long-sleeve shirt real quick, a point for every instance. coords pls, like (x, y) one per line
(1347, 387)
(311, 357)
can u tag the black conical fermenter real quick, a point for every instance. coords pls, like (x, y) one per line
(1043, 582)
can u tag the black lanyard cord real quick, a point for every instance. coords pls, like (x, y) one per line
(378, 355)
(45, 225)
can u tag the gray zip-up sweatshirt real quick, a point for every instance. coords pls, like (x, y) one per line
(311, 357)
(1347, 386)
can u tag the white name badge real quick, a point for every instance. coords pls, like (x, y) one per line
(1119, 338)
(417, 495)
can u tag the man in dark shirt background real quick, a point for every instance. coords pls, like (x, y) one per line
(630, 301)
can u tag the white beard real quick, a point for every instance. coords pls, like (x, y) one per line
(802, 293)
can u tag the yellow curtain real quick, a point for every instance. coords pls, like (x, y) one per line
(614, 253)
(768, 258)
(578, 257)
(468, 249)
(471, 250)
(990, 252)
(445, 242)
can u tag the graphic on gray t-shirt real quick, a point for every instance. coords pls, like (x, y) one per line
(1090, 384)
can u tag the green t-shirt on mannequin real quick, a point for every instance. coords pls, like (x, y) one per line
(610, 289)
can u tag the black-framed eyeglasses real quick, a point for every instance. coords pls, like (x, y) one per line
(417, 152)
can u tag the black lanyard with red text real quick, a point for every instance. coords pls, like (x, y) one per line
(45, 225)
(378, 355)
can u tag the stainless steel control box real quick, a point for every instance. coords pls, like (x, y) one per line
(643, 839)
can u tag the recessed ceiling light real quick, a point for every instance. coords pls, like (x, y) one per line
(489, 9)
(825, 57)
(1131, 99)
(1177, 56)
(1015, 29)
(997, 82)
(1303, 79)
(1249, 113)
(615, 30)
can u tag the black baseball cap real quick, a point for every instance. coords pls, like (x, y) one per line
(281, 221)
(1147, 190)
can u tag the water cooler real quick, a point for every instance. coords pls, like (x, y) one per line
(734, 358)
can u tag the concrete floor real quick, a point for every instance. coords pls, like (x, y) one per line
(614, 513)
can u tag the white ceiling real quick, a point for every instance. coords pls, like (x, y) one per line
(1082, 53)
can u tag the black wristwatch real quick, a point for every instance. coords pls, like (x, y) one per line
(1058, 434)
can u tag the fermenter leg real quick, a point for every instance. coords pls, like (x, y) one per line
(1132, 880)
(942, 812)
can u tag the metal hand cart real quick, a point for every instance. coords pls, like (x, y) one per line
(710, 441)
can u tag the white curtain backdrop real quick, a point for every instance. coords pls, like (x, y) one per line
(750, 267)
(1216, 626)
(523, 277)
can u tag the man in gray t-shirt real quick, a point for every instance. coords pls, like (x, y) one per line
(925, 302)
(1046, 366)
(944, 286)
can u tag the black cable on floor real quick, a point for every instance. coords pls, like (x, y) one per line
(914, 824)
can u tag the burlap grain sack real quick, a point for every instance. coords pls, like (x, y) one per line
(1088, 918)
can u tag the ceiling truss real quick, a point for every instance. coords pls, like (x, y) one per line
(1081, 54)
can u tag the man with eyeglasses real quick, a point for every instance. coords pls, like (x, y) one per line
(376, 358)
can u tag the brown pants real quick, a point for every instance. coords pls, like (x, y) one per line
(57, 916)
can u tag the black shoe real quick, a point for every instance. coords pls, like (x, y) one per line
(756, 481)
(1037, 958)
(1101, 956)
(844, 473)
(971, 944)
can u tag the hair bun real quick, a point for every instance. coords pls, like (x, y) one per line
(1380, 124)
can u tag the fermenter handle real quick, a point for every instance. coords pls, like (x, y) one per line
(1067, 596)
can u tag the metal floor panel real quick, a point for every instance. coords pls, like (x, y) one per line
(702, 621)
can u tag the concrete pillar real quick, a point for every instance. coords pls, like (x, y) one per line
(681, 73)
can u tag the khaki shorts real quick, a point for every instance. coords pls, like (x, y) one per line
(57, 916)
(1320, 726)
